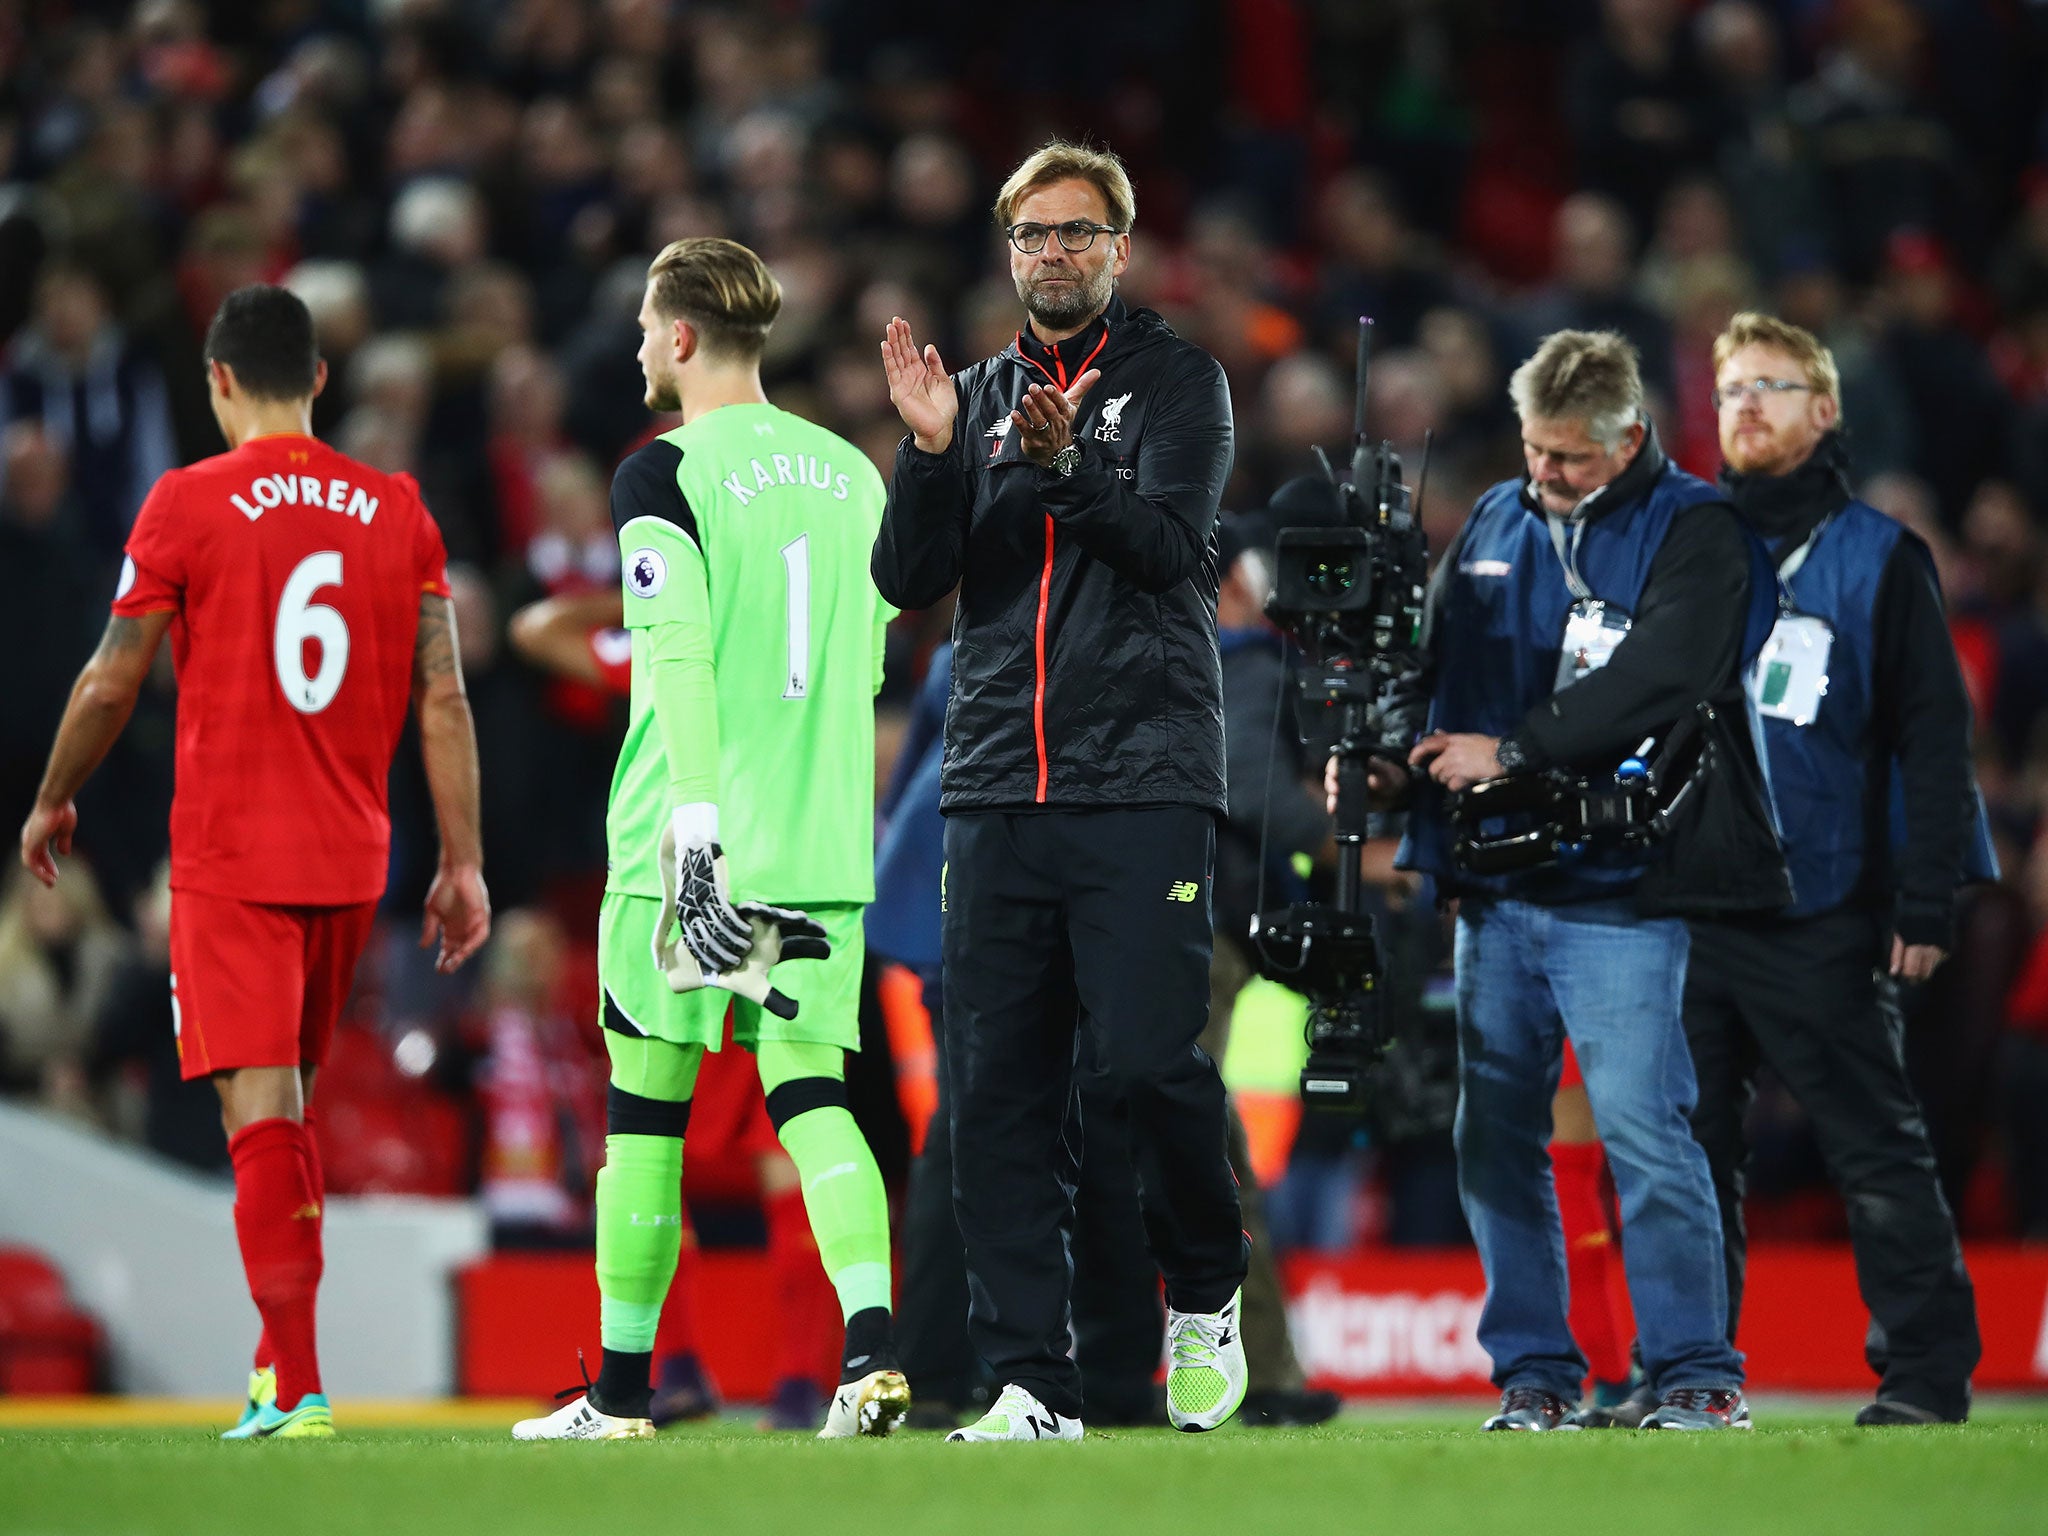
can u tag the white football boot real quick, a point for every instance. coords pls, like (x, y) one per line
(1017, 1415)
(1205, 1372)
(579, 1419)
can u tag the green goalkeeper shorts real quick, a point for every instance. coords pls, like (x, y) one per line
(636, 999)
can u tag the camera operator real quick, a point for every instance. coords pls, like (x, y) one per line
(1867, 732)
(1592, 604)
(1082, 780)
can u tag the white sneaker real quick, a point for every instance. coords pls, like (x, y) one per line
(874, 1405)
(579, 1420)
(1017, 1415)
(1205, 1374)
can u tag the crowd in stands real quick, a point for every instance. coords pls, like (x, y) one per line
(466, 194)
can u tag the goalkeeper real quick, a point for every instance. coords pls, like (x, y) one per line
(740, 825)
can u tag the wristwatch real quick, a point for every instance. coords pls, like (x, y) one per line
(1511, 755)
(1066, 461)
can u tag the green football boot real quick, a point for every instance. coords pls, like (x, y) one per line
(262, 1390)
(311, 1420)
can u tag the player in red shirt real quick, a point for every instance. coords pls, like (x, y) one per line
(307, 604)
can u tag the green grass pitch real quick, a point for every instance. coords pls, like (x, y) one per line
(1424, 1472)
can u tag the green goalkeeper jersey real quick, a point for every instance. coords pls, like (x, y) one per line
(744, 539)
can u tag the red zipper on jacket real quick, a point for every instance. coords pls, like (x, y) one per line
(1045, 575)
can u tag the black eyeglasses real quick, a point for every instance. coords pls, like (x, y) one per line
(1075, 235)
(1728, 394)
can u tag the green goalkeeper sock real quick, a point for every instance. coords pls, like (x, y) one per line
(844, 1199)
(639, 1235)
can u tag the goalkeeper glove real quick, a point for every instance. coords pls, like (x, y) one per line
(774, 934)
(693, 891)
(780, 933)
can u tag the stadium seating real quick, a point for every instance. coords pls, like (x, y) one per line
(46, 1344)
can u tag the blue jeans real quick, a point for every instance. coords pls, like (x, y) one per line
(1529, 977)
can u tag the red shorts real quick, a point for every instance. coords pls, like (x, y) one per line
(259, 986)
(1569, 1077)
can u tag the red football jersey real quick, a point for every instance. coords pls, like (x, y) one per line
(295, 575)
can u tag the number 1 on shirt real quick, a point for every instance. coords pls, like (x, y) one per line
(796, 556)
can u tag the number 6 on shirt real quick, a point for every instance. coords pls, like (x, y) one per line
(300, 619)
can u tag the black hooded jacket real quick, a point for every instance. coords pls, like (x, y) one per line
(1085, 664)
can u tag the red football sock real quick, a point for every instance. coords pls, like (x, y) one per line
(277, 1219)
(677, 1332)
(265, 1351)
(1591, 1257)
(811, 1327)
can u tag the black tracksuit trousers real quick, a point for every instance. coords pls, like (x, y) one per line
(1810, 997)
(1049, 916)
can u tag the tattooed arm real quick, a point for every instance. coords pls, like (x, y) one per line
(101, 701)
(458, 907)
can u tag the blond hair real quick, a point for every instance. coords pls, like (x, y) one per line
(1059, 160)
(1590, 376)
(722, 289)
(1753, 329)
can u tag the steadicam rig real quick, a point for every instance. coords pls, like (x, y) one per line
(1349, 589)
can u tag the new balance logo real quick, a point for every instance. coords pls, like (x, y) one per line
(1183, 890)
(1223, 1339)
(1039, 1428)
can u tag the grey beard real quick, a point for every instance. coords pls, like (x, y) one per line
(1083, 301)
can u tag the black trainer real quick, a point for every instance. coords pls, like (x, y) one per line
(1892, 1412)
(1529, 1408)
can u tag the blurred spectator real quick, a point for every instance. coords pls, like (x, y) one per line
(1480, 439)
(574, 548)
(59, 951)
(1304, 403)
(1771, 184)
(526, 404)
(437, 229)
(1953, 397)
(1639, 103)
(1595, 276)
(1375, 267)
(338, 296)
(1694, 224)
(1707, 290)
(2019, 276)
(2023, 1069)
(99, 399)
(50, 597)
(1884, 162)
(133, 1058)
(541, 1083)
(1878, 427)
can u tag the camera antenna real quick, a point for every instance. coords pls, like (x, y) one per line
(1364, 373)
(1422, 480)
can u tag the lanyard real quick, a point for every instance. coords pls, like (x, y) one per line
(1569, 557)
(1790, 566)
